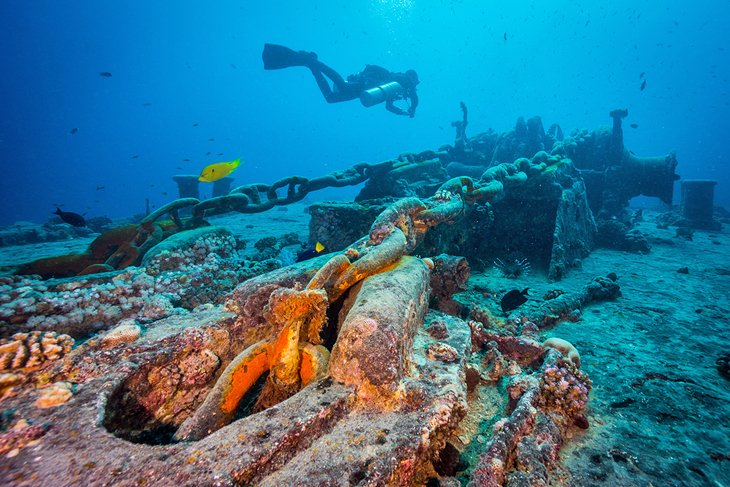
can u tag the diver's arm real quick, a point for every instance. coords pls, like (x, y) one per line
(390, 106)
(413, 105)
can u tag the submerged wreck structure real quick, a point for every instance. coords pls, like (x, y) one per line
(167, 359)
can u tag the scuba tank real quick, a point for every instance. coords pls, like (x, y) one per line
(379, 94)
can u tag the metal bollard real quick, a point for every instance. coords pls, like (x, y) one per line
(697, 203)
(187, 186)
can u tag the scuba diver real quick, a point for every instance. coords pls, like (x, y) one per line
(373, 85)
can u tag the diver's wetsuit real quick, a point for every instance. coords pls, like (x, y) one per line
(276, 56)
(370, 77)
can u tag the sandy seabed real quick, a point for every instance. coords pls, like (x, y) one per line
(659, 408)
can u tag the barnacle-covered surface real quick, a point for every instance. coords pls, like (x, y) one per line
(141, 392)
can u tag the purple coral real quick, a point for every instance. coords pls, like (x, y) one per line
(564, 389)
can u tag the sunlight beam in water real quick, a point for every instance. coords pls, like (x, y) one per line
(394, 11)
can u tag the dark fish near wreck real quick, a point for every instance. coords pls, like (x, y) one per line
(634, 125)
(310, 253)
(105, 74)
(73, 131)
(73, 219)
(513, 299)
(643, 85)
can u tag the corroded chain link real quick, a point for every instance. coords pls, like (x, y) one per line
(260, 197)
(399, 229)
(410, 216)
(249, 198)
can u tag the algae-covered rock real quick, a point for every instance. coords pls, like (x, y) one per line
(202, 241)
(337, 224)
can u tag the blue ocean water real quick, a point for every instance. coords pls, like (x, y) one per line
(187, 82)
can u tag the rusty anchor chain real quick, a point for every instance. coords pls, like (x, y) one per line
(296, 357)
(410, 215)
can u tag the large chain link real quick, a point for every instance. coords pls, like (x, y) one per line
(410, 216)
(399, 229)
(260, 197)
(248, 198)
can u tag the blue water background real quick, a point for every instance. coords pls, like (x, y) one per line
(200, 62)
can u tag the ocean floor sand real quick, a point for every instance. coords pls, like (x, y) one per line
(659, 408)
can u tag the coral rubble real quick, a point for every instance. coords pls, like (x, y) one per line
(190, 269)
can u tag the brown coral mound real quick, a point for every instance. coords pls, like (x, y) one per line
(59, 266)
(116, 248)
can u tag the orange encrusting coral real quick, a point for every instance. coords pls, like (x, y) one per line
(306, 372)
(332, 269)
(315, 359)
(285, 357)
(248, 368)
(291, 364)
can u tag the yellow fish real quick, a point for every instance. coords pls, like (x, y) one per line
(214, 172)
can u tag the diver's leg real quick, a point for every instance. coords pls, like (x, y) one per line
(338, 80)
(344, 91)
(279, 57)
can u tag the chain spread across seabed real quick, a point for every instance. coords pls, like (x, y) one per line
(248, 198)
(450, 197)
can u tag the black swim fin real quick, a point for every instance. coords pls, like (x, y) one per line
(280, 57)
